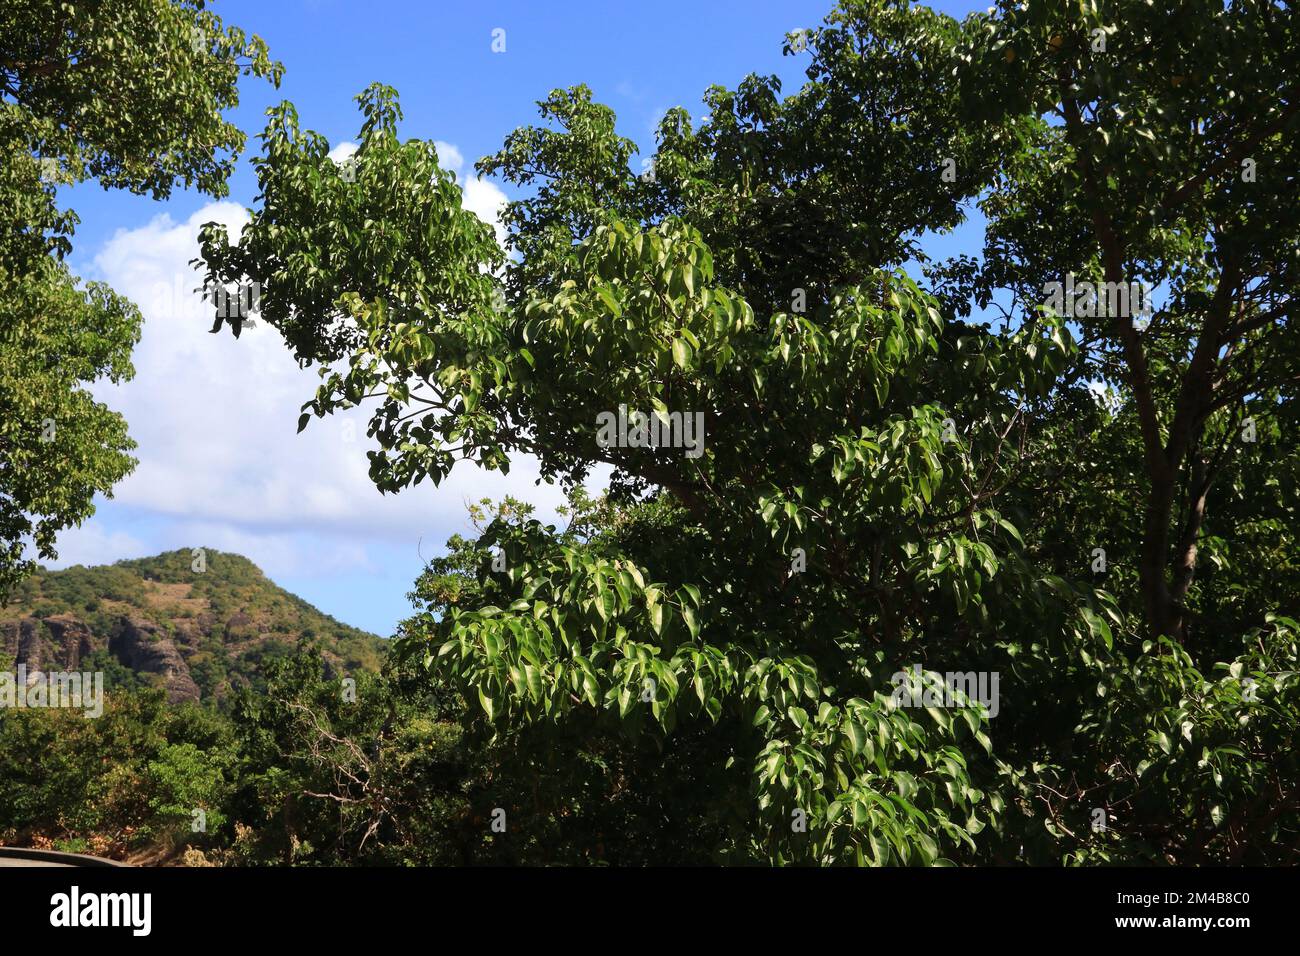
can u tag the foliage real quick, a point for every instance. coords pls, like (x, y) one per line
(707, 656)
(130, 93)
(57, 444)
(881, 482)
(116, 780)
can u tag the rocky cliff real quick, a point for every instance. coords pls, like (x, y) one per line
(62, 642)
(140, 645)
(58, 642)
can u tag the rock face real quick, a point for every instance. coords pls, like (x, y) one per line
(21, 641)
(142, 646)
(71, 640)
(57, 643)
(60, 642)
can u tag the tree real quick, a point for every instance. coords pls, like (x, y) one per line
(58, 446)
(1164, 153)
(835, 502)
(130, 93)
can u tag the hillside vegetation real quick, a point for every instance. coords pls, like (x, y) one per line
(158, 621)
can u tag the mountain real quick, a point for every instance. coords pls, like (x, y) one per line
(198, 629)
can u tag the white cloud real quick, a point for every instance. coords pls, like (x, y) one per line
(342, 151)
(91, 544)
(449, 157)
(279, 554)
(481, 196)
(486, 201)
(215, 419)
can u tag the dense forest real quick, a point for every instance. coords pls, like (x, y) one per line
(988, 558)
(198, 634)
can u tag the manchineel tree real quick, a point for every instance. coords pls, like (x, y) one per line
(883, 483)
(130, 93)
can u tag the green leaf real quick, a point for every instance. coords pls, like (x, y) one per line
(610, 302)
(688, 616)
(681, 353)
(857, 735)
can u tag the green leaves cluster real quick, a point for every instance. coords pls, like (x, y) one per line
(882, 482)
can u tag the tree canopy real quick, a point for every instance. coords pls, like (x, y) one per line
(1089, 510)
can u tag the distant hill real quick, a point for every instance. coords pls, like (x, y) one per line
(157, 621)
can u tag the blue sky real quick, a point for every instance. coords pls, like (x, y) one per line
(215, 419)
